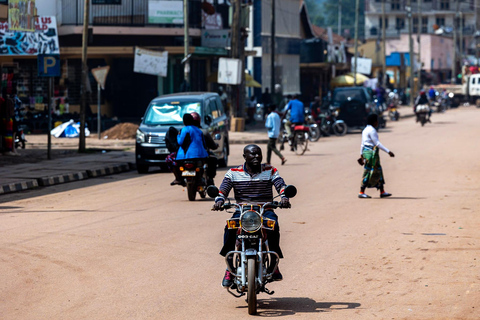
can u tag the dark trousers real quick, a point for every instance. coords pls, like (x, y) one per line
(272, 147)
(273, 236)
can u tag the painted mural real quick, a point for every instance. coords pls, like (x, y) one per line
(43, 41)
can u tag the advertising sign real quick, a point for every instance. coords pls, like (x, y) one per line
(21, 15)
(43, 41)
(229, 71)
(165, 11)
(216, 38)
(150, 62)
(364, 65)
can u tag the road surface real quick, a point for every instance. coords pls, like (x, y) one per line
(130, 246)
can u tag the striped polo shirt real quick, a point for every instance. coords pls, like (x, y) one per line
(248, 188)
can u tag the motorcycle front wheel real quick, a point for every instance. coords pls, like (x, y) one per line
(252, 292)
(300, 142)
(340, 129)
(314, 133)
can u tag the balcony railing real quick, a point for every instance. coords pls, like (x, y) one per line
(127, 13)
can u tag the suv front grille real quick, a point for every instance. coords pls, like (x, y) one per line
(155, 138)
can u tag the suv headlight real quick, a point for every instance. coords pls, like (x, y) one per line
(140, 136)
(251, 221)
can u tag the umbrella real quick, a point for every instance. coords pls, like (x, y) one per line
(68, 129)
(347, 80)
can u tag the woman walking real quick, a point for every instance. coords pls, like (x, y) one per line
(370, 159)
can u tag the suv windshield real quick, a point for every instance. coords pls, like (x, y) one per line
(170, 112)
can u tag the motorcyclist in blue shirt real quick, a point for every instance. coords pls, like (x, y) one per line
(297, 114)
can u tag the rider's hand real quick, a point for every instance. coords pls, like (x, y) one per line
(285, 202)
(217, 206)
(360, 161)
(391, 154)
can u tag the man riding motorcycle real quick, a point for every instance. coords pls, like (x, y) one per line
(252, 182)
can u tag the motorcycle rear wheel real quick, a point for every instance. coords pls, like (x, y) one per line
(191, 191)
(300, 142)
(252, 292)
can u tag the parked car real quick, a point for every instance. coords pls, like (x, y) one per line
(355, 104)
(167, 111)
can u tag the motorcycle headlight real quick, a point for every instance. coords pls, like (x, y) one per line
(140, 136)
(251, 221)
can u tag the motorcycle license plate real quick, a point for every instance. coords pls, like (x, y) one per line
(188, 174)
(161, 151)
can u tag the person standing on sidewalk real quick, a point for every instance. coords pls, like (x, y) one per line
(273, 125)
(370, 159)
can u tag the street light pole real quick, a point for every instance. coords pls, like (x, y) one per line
(384, 47)
(272, 46)
(83, 105)
(357, 5)
(410, 29)
(186, 45)
(455, 26)
(420, 23)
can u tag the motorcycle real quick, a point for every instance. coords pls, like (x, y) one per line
(299, 140)
(194, 173)
(314, 131)
(252, 257)
(392, 103)
(329, 123)
(422, 111)
(19, 129)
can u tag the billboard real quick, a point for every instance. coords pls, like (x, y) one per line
(150, 62)
(216, 38)
(165, 11)
(21, 15)
(43, 41)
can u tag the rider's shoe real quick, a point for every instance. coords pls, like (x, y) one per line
(363, 195)
(227, 279)
(177, 182)
(277, 276)
(385, 194)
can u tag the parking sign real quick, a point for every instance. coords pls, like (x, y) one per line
(48, 65)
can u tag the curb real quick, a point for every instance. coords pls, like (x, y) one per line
(64, 178)
(19, 186)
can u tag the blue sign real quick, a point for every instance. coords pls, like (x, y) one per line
(48, 65)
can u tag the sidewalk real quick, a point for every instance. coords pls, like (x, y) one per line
(110, 157)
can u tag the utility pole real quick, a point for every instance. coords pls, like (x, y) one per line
(340, 17)
(186, 45)
(238, 52)
(384, 47)
(357, 5)
(419, 43)
(455, 26)
(83, 105)
(460, 45)
(272, 58)
(410, 31)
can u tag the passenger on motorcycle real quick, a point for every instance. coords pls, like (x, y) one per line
(422, 99)
(252, 182)
(191, 143)
(297, 115)
(211, 145)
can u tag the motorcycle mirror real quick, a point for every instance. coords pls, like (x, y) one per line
(290, 191)
(212, 191)
(217, 137)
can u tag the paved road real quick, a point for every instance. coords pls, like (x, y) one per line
(130, 246)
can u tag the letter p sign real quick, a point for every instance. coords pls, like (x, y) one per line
(48, 65)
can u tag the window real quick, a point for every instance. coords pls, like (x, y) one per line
(395, 4)
(415, 25)
(219, 107)
(400, 23)
(380, 23)
(444, 4)
(440, 21)
(211, 109)
(424, 24)
(373, 31)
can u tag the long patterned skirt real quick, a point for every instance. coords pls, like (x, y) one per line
(372, 170)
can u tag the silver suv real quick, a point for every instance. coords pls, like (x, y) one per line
(167, 111)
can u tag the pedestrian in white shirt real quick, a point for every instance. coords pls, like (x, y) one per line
(273, 125)
(370, 159)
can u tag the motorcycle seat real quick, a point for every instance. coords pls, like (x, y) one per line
(301, 128)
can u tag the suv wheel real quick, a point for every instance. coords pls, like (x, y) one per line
(141, 168)
(224, 161)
